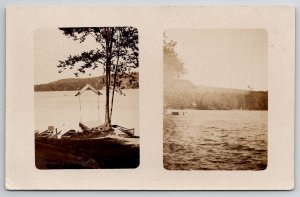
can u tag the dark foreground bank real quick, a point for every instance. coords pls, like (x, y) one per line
(85, 154)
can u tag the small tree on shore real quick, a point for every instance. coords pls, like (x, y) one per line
(117, 54)
(173, 66)
(173, 69)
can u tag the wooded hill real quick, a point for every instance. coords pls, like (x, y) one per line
(183, 94)
(130, 81)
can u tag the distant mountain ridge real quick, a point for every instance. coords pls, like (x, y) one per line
(182, 94)
(71, 84)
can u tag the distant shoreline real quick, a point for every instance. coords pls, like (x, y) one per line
(130, 81)
(78, 90)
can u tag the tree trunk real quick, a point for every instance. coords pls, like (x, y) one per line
(115, 78)
(113, 94)
(109, 43)
(107, 119)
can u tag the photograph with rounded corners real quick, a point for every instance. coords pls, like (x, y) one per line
(86, 97)
(215, 114)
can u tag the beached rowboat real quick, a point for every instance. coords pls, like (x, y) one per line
(129, 132)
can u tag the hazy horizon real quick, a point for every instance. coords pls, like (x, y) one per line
(224, 58)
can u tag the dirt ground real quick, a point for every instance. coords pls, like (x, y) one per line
(105, 153)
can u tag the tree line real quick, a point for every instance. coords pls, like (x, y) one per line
(215, 99)
(129, 81)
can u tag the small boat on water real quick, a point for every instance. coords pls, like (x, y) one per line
(176, 113)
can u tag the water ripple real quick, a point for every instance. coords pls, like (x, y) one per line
(216, 140)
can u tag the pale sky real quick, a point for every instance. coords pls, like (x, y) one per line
(229, 58)
(50, 45)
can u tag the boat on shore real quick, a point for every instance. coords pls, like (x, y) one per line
(89, 130)
(129, 132)
(68, 134)
(49, 133)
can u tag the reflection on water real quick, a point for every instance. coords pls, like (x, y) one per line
(216, 140)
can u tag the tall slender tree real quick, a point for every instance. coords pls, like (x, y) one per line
(117, 54)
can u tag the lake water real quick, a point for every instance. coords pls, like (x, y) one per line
(216, 140)
(62, 109)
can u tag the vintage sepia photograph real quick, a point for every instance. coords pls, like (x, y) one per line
(215, 99)
(86, 98)
(178, 98)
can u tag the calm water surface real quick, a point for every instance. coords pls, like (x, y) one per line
(62, 109)
(216, 140)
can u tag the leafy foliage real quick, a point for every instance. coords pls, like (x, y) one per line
(173, 66)
(118, 45)
(117, 54)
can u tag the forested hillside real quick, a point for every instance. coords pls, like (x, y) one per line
(128, 81)
(183, 94)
